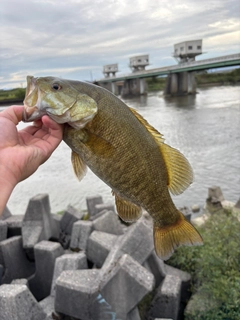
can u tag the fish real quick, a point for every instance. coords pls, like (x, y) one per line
(123, 150)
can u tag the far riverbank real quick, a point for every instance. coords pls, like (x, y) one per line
(203, 79)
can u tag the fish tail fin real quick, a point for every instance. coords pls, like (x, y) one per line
(168, 238)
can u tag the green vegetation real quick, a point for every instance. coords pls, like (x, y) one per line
(156, 84)
(215, 270)
(218, 77)
(203, 78)
(12, 95)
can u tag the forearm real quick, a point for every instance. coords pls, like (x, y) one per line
(6, 188)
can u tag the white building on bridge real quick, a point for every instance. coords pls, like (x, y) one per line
(187, 50)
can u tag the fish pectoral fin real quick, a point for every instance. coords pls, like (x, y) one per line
(127, 211)
(180, 174)
(167, 239)
(98, 145)
(79, 166)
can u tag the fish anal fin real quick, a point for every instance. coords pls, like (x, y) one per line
(180, 174)
(167, 239)
(79, 166)
(156, 135)
(127, 211)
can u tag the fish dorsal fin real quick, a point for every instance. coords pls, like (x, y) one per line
(180, 174)
(127, 211)
(156, 135)
(79, 166)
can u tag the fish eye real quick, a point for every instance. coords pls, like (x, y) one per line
(56, 86)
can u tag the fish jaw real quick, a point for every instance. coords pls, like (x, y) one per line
(32, 102)
(64, 105)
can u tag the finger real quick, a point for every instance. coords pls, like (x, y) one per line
(38, 123)
(13, 113)
(54, 128)
(30, 130)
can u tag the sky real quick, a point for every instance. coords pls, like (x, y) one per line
(74, 39)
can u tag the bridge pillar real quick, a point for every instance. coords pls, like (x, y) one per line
(134, 87)
(110, 86)
(113, 87)
(181, 83)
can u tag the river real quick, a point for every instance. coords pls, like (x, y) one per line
(205, 127)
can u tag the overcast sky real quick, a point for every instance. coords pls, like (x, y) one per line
(75, 38)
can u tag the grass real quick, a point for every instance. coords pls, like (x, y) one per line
(218, 78)
(215, 270)
(17, 94)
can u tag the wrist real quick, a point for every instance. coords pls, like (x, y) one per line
(7, 185)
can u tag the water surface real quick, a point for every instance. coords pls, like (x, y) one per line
(204, 127)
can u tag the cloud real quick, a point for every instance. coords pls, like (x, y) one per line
(75, 38)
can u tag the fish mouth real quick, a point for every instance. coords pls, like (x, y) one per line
(31, 114)
(32, 103)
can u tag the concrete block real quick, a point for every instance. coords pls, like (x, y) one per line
(70, 261)
(138, 240)
(5, 214)
(80, 233)
(166, 303)
(185, 281)
(17, 302)
(1, 273)
(46, 253)
(56, 221)
(97, 215)
(76, 292)
(132, 281)
(133, 314)
(99, 246)
(104, 206)
(237, 205)
(103, 310)
(132, 242)
(3, 230)
(14, 260)
(70, 216)
(156, 266)
(14, 225)
(91, 204)
(37, 224)
(108, 222)
(215, 193)
(20, 281)
(47, 305)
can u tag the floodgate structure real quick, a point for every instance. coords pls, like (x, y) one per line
(180, 77)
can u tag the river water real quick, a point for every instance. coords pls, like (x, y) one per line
(204, 127)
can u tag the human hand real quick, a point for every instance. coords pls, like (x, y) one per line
(22, 152)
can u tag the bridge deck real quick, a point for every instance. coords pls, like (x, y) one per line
(219, 62)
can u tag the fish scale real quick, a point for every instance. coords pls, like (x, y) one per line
(123, 150)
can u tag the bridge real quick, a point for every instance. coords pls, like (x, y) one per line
(181, 79)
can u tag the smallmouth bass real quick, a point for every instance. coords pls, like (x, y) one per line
(123, 150)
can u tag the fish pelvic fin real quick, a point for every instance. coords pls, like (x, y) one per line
(127, 211)
(79, 167)
(169, 238)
